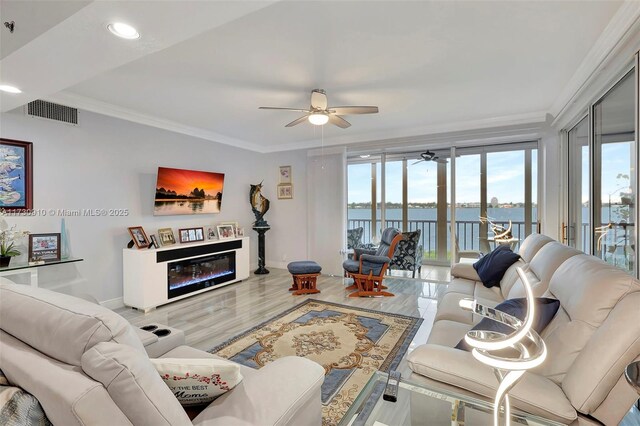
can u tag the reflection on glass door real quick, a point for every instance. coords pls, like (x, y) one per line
(498, 183)
(614, 171)
(361, 189)
(578, 232)
(422, 202)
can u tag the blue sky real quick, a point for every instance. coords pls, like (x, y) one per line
(505, 179)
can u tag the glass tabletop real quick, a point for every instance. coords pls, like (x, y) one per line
(419, 405)
(24, 265)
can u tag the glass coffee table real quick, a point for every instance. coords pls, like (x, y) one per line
(419, 405)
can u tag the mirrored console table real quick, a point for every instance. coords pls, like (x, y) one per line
(16, 268)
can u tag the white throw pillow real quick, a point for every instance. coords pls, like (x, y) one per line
(198, 381)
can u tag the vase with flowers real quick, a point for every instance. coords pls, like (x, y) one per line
(8, 249)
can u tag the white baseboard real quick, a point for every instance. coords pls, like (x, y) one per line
(112, 304)
(278, 265)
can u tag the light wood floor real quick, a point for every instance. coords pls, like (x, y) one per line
(213, 317)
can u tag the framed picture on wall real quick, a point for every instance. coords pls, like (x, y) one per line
(16, 173)
(44, 247)
(285, 191)
(285, 174)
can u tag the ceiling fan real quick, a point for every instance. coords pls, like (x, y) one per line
(319, 113)
(430, 156)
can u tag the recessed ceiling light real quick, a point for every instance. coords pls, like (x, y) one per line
(123, 30)
(9, 89)
(365, 156)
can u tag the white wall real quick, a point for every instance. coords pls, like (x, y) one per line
(110, 163)
(327, 208)
(286, 241)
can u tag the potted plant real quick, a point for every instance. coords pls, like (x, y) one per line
(8, 248)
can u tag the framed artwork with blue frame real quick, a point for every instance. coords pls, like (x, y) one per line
(16, 175)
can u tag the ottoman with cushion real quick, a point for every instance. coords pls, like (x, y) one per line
(305, 273)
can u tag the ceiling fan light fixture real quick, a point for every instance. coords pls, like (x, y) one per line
(123, 30)
(318, 119)
(9, 89)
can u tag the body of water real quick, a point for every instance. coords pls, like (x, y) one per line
(468, 227)
(165, 208)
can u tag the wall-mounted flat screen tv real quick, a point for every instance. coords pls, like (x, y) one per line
(187, 192)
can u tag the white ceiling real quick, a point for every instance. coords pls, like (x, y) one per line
(429, 66)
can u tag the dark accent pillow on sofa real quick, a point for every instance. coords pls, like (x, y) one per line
(491, 268)
(545, 311)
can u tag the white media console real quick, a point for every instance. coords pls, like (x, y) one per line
(154, 277)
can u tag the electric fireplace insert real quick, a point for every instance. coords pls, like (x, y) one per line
(187, 276)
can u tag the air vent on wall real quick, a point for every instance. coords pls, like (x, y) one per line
(51, 111)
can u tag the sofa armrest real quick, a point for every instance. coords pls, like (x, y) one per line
(534, 394)
(284, 392)
(465, 270)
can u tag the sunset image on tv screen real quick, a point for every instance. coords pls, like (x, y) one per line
(187, 192)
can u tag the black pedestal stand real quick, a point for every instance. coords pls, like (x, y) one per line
(261, 230)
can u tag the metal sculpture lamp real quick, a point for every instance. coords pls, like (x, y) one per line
(529, 345)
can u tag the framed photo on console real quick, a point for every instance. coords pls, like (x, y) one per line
(190, 235)
(139, 237)
(226, 232)
(166, 236)
(44, 247)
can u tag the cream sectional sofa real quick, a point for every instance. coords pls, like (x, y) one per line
(55, 346)
(593, 336)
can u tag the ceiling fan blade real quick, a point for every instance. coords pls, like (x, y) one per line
(286, 109)
(339, 121)
(297, 121)
(350, 110)
(419, 161)
(318, 99)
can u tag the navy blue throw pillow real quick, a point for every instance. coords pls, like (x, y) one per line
(545, 311)
(491, 268)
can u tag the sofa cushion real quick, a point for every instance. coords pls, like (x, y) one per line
(66, 394)
(491, 268)
(447, 333)
(59, 325)
(197, 381)
(531, 245)
(189, 352)
(595, 331)
(465, 270)
(283, 392)
(545, 309)
(534, 394)
(134, 384)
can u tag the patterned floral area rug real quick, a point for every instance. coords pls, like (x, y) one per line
(350, 343)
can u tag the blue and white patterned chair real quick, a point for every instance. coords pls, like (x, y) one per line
(409, 253)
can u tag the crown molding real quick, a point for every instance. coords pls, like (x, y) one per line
(418, 135)
(111, 110)
(620, 29)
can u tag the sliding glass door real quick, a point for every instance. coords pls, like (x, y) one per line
(602, 178)
(577, 231)
(614, 175)
(496, 182)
